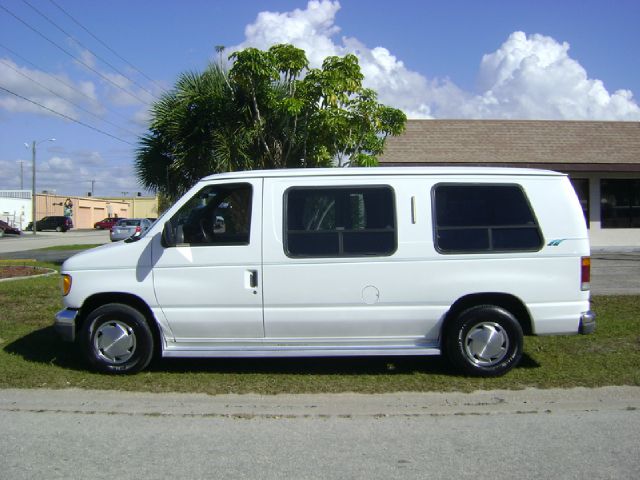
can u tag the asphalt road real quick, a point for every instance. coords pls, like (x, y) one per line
(525, 434)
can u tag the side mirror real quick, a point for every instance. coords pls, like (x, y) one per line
(168, 236)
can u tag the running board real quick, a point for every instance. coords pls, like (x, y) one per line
(297, 351)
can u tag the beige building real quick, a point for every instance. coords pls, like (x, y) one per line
(601, 158)
(139, 207)
(85, 211)
(15, 208)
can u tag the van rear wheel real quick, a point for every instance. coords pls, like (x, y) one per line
(116, 338)
(484, 341)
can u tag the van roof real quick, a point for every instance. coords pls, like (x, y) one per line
(388, 171)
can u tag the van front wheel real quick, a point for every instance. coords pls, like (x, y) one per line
(116, 338)
(484, 341)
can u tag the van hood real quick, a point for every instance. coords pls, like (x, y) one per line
(114, 255)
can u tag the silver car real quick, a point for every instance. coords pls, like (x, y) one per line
(129, 227)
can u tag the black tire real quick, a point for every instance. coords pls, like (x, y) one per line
(484, 341)
(116, 338)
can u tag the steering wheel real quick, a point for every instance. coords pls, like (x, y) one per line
(206, 230)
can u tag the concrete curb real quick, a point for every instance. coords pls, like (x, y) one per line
(50, 271)
(342, 405)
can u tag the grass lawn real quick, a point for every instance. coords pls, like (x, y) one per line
(71, 247)
(31, 356)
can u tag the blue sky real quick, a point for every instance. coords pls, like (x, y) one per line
(450, 59)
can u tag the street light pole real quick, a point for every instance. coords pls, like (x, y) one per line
(33, 180)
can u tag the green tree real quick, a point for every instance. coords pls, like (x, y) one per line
(269, 110)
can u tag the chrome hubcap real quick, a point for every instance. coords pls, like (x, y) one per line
(115, 342)
(486, 344)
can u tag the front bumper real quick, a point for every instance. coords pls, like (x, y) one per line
(65, 324)
(587, 323)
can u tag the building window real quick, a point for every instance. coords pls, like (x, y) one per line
(484, 218)
(581, 186)
(340, 221)
(620, 203)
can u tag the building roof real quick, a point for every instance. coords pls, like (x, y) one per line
(557, 145)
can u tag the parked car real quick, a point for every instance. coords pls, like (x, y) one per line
(57, 223)
(462, 262)
(106, 223)
(6, 228)
(129, 227)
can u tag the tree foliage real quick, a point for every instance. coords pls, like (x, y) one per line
(269, 110)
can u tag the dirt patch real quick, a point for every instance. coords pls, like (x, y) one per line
(14, 271)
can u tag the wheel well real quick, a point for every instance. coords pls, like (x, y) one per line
(512, 304)
(133, 301)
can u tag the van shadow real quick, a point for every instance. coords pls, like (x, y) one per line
(376, 365)
(43, 346)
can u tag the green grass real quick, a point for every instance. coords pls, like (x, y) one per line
(31, 356)
(71, 247)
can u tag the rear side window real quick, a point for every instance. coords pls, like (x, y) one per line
(340, 221)
(484, 218)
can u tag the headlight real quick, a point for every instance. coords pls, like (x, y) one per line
(66, 284)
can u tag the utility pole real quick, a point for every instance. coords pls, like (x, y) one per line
(33, 186)
(21, 162)
(33, 179)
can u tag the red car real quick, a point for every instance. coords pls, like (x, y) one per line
(106, 223)
(6, 228)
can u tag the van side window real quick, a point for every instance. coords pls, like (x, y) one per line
(216, 215)
(340, 221)
(484, 218)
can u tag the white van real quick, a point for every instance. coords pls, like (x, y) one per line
(340, 262)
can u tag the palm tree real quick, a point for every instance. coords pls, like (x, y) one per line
(194, 131)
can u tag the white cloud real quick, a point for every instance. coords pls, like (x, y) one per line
(141, 118)
(311, 29)
(87, 58)
(124, 92)
(534, 77)
(58, 164)
(10, 178)
(43, 88)
(528, 77)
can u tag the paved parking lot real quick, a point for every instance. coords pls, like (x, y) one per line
(613, 273)
(29, 241)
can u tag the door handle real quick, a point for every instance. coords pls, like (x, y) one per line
(253, 278)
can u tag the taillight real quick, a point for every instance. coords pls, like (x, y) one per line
(138, 229)
(585, 273)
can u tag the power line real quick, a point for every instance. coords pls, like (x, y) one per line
(66, 99)
(66, 116)
(107, 46)
(68, 85)
(73, 56)
(87, 48)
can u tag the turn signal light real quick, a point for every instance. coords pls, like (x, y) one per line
(585, 273)
(66, 284)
